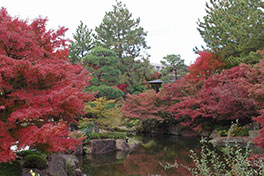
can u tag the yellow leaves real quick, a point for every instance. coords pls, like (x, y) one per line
(100, 107)
(106, 113)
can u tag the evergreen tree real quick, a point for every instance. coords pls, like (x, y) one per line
(122, 34)
(174, 67)
(234, 29)
(82, 44)
(102, 63)
(119, 32)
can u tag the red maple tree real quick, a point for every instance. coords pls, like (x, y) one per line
(146, 105)
(206, 65)
(40, 90)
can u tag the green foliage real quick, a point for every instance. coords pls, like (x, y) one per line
(103, 113)
(103, 64)
(229, 161)
(24, 153)
(35, 161)
(149, 144)
(174, 67)
(233, 28)
(121, 33)
(112, 135)
(223, 133)
(82, 43)
(251, 58)
(70, 171)
(14, 169)
(130, 123)
(106, 91)
(234, 130)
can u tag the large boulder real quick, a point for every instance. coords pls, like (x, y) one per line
(174, 130)
(122, 145)
(57, 165)
(221, 141)
(101, 146)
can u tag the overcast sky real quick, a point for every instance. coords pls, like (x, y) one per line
(171, 24)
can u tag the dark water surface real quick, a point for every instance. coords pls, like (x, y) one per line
(145, 161)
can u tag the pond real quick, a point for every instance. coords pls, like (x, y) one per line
(145, 161)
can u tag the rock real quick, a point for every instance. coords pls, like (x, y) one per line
(253, 133)
(174, 130)
(72, 160)
(26, 172)
(79, 150)
(133, 146)
(214, 134)
(101, 146)
(57, 165)
(189, 133)
(104, 131)
(77, 172)
(87, 149)
(122, 145)
(221, 141)
(255, 125)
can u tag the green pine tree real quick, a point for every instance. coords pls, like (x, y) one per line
(123, 34)
(102, 63)
(82, 44)
(174, 67)
(234, 29)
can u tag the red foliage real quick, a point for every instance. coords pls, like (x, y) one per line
(222, 97)
(122, 87)
(154, 76)
(256, 91)
(205, 66)
(144, 106)
(38, 87)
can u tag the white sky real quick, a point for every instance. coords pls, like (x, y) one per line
(171, 24)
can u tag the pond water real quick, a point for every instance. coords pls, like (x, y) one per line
(145, 161)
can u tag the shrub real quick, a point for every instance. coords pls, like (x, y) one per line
(35, 161)
(229, 161)
(24, 153)
(7, 169)
(112, 135)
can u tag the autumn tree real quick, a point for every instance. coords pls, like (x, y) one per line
(206, 65)
(82, 43)
(146, 105)
(40, 91)
(103, 64)
(174, 67)
(234, 29)
(124, 35)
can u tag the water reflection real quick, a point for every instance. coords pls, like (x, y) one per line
(144, 161)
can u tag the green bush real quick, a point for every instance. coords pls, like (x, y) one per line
(7, 169)
(24, 153)
(112, 135)
(35, 161)
(106, 91)
(240, 131)
(222, 133)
